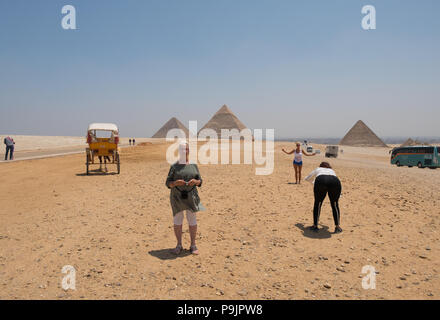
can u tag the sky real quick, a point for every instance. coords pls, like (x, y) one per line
(304, 68)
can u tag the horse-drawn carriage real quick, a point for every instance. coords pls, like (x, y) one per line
(103, 140)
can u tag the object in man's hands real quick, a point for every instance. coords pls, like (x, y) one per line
(184, 194)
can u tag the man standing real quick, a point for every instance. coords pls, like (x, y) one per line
(9, 142)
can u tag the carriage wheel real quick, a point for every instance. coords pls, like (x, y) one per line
(118, 163)
(87, 164)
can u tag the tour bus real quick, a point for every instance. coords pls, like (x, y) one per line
(420, 156)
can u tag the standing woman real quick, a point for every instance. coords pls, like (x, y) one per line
(183, 180)
(325, 181)
(298, 160)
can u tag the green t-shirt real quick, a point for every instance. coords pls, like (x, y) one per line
(184, 197)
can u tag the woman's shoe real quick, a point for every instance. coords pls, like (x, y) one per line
(314, 228)
(178, 249)
(338, 229)
(194, 250)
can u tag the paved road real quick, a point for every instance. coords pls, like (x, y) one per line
(40, 154)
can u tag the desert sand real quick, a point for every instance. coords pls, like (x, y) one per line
(116, 230)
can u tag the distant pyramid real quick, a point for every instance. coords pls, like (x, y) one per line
(361, 135)
(411, 142)
(224, 119)
(173, 123)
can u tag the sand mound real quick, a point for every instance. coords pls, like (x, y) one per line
(144, 144)
(361, 135)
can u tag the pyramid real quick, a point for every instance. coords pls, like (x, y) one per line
(173, 123)
(224, 119)
(411, 142)
(361, 135)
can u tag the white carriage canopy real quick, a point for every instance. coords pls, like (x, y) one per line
(103, 127)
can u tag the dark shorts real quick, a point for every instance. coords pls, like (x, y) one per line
(298, 163)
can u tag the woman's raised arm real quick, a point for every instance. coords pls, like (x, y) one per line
(307, 154)
(284, 150)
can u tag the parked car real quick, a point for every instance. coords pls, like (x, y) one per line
(331, 151)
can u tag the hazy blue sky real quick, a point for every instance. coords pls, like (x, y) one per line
(305, 68)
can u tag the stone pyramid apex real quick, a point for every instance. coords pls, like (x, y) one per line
(224, 109)
(361, 135)
(224, 118)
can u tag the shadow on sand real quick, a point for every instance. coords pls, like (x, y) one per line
(323, 232)
(167, 254)
(96, 172)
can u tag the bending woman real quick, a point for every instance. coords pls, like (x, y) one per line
(325, 181)
(183, 180)
(298, 160)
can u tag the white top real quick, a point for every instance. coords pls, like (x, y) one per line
(103, 127)
(298, 156)
(318, 172)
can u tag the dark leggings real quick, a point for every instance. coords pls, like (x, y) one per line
(106, 158)
(10, 150)
(332, 185)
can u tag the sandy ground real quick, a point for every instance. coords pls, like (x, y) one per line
(116, 230)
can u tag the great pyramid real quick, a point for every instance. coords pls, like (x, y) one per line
(361, 135)
(173, 123)
(224, 119)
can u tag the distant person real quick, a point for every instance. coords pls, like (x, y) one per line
(134, 141)
(129, 142)
(325, 182)
(9, 142)
(183, 180)
(298, 160)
